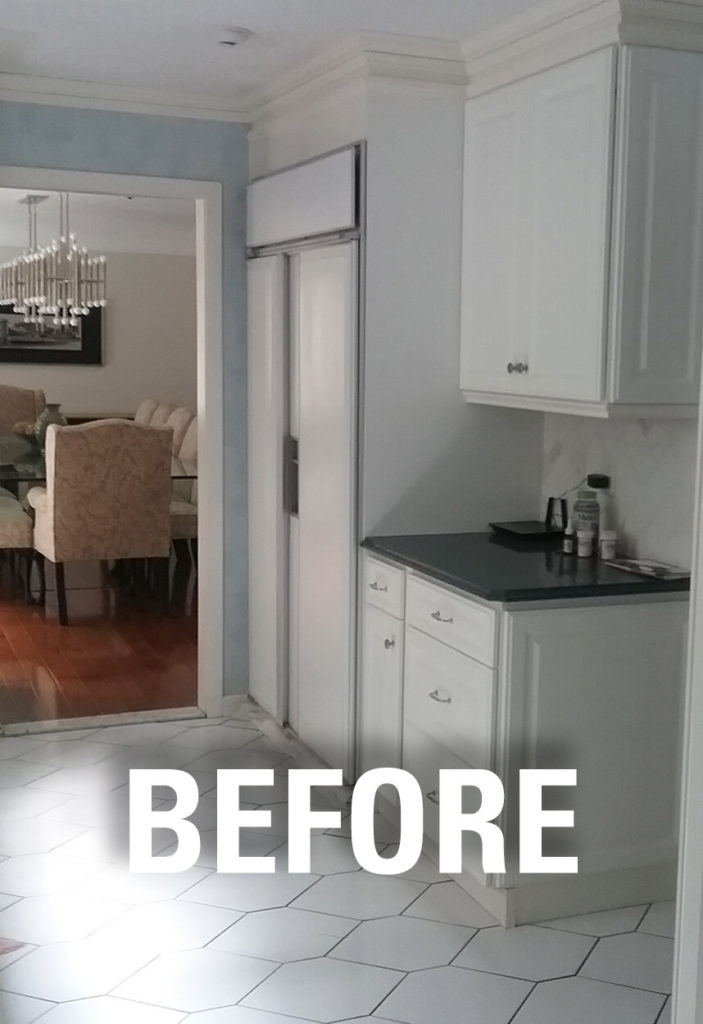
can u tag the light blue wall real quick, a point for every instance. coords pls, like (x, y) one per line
(32, 135)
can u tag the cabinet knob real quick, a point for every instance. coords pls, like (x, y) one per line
(432, 796)
(517, 367)
(437, 616)
(378, 587)
(511, 368)
(388, 643)
(440, 700)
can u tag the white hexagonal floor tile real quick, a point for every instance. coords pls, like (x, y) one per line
(37, 873)
(19, 773)
(140, 733)
(21, 1009)
(169, 926)
(403, 943)
(108, 1010)
(201, 979)
(215, 737)
(601, 923)
(641, 961)
(83, 751)
(118, 883)
(360, 895)
(323, 990)
(37, 836)
(284, 934)
(61, 917)
(665, 1016)
(424, 871)
(251, 844)
(71, 970)
(534, 954)
(17, 746)
(384, 830)
(660, 919)
(445, 901)
(244, 1015)
(22, 803)
(454, 996)
(329, 855)
(248, 892)
(238, 757)
(581, 1001)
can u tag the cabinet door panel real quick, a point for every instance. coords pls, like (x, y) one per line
(493, 260)
(449, 696)
(569, 166)
(424, 759)
(381, 692)
(599, 690)
(658, 267)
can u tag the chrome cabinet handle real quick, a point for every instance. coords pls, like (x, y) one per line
(440, 700)
(388, 643)
(437, 616)
(512, 368)
(432, 796)
(517, 367)
(376, 586)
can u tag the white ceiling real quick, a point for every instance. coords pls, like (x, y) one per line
(172, 44)
(103, 223)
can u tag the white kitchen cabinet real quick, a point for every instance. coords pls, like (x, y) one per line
(593, 685)
(380, 695)
(583, 218)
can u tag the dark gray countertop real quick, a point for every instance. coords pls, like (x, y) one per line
(533, 571)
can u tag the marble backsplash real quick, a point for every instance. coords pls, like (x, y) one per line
(652, 466)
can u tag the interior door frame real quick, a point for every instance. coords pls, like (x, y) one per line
(207, 196)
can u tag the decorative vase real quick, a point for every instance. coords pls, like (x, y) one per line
(51, 413)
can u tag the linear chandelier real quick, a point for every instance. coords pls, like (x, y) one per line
(58, 282)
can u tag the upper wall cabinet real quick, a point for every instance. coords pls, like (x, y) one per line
(582, 282)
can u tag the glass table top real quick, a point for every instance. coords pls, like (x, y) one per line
(21, 461)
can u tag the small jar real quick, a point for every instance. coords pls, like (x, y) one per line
(606, 546)
(568, 543)
(584, 543)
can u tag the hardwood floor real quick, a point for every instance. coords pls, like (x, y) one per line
(121, 652)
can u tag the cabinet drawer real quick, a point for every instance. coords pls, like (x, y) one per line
(424, 759)
(457, 621)
(450, 697)
(384, 587)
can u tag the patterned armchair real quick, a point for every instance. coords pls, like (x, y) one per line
(107, 495)
(19, 405)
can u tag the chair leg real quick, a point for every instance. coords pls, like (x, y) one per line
(194, 551)
(41, 567)
(161, 575)
(61, 594)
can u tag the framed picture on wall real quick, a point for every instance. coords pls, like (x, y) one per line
(22, 342)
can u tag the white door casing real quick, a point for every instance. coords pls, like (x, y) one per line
(210, 390)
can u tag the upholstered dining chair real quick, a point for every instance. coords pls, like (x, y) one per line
(16, 532)
(146, 410)
(184, 500)
(107, 496)
(179, 421)
(161, 413)
(19, 405)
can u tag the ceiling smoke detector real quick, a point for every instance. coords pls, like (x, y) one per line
(234, 36)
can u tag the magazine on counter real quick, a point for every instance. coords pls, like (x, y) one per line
(648, 567)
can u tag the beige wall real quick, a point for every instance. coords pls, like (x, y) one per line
(149, 341)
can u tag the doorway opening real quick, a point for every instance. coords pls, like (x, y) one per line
(162, 662)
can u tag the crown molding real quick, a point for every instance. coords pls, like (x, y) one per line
(429, 63)
(62, 92)
(555, 31)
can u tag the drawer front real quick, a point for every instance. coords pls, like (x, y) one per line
(457, 621)
(450, 697)
(384, 587)
(424, 759)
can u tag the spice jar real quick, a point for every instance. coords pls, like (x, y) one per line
(584, 543)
